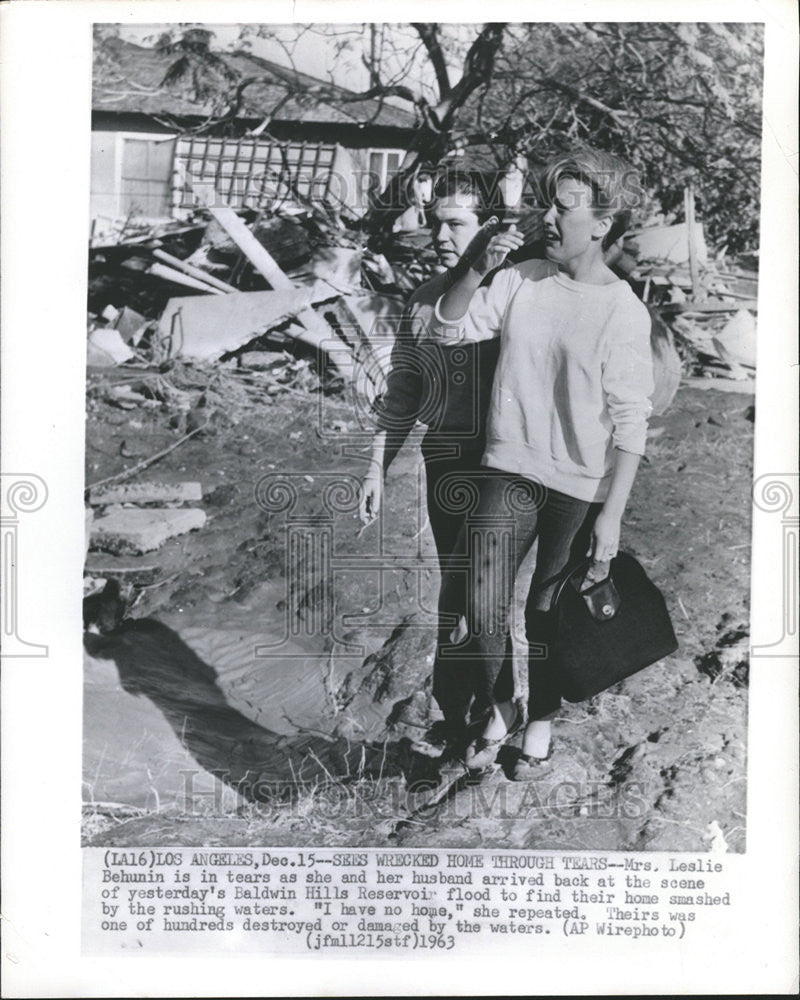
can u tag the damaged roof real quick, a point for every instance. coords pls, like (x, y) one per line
(129, 78)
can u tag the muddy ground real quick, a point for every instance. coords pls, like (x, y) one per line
(657, 763)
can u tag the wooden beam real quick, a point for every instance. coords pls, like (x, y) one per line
(709, 307)
(194, 272)
(179, 278)
(688, 195)
(258, 256)
(314, 330)
(168, 274)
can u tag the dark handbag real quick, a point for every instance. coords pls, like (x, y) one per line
(609, 631)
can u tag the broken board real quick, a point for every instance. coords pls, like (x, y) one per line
(203, 328)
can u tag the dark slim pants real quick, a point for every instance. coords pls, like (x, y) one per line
(511, 513)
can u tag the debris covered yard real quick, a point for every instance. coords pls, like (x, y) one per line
(256, 661)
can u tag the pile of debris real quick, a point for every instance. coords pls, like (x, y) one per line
(208, 318)
(710, 304)
(235, 291)
(220, 289)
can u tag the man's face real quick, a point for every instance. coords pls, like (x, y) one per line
(455, 222)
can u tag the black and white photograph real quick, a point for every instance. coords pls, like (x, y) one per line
(308, 496)
(399, 505)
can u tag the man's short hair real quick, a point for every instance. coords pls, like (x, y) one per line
(485, 193)
(616, 187)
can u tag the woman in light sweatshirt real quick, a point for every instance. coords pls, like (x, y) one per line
(565, 431)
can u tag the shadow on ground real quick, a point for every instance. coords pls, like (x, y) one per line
(153, 662)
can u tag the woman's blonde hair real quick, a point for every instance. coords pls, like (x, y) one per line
(616, 187)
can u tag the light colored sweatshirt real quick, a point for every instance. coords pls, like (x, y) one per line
(444, 385)
(573, 380)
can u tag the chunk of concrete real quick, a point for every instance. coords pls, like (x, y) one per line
(132, 531)
(145, 493)
(736, 343)
(204, 327)
(106, 348)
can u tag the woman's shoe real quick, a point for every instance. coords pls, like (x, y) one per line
(482, 753)
(526, 766)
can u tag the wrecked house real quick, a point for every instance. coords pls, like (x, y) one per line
(147, 147)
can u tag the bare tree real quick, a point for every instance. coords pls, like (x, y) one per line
(681, 101)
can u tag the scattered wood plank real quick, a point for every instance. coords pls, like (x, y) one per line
(745, 386)
(747, 296)
(709, 307)
(692, 240)
(170, 274)
(139, 576)
(192, 271)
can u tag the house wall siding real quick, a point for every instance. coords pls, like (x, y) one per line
(104, 187)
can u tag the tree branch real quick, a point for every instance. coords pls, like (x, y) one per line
(478, 69)
(615, 114)
(428, 32)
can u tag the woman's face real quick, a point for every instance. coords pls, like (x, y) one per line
(573, 231)
(455, 222)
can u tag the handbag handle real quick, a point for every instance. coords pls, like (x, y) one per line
(566, 576)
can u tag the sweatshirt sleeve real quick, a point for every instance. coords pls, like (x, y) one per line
(627, 378)
(483, 320)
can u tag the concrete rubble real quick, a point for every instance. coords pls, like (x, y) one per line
(133, 530)
(133, 518)
(145, 493)
(106, 348)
